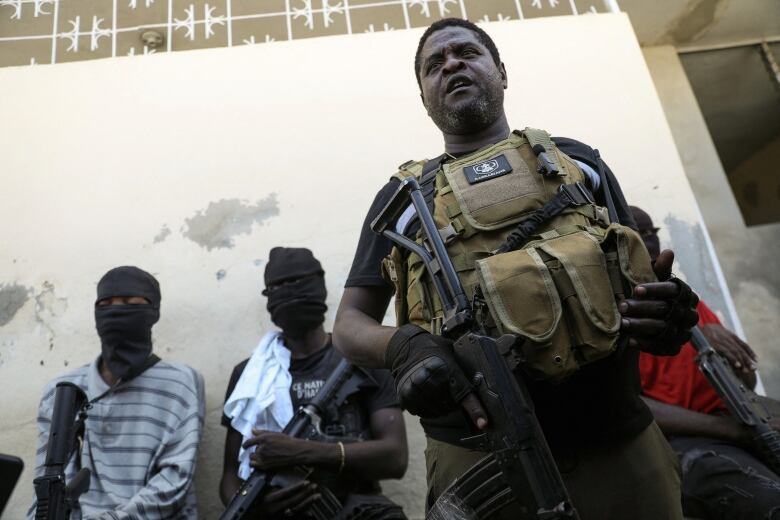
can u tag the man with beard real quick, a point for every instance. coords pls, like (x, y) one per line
(721, 475)
(614, 461)
(287, 370)
(144, 418)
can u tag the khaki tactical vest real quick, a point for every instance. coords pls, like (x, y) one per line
(559, 292)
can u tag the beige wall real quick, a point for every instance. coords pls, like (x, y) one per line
(748, 255)
(193, 165)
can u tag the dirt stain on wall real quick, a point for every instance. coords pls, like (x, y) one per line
(163, 234)
(697, 19)
(217, 225)
(12, 298)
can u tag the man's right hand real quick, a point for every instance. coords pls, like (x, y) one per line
(428, 380)
(288, 502)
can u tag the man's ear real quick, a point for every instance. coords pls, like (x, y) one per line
(422, 99)
(504, 77)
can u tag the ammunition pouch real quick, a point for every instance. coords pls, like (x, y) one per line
(560, 294)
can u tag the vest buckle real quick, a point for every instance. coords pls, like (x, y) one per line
(577, 194)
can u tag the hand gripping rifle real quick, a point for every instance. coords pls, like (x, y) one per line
(305, 424)
(520, 466)
(744, 405)
(55, 497)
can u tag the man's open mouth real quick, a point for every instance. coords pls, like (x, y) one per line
(458, 82)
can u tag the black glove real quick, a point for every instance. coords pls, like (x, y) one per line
(681, 318)
(428, 380)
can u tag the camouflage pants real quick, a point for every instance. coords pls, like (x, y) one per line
(636, 479)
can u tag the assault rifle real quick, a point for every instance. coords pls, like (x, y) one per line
(744, 405)
(55, 497)
(520, 466)
(305, 424)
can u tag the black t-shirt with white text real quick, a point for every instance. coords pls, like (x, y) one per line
(309, 374)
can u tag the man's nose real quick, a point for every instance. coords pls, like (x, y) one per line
(452, 63)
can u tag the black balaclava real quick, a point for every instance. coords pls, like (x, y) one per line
(647, 231)
(126, 330)
(295, 287)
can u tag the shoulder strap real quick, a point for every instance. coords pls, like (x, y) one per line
(536, 136)
(410, 169)
(425, 172)
(428, 179)
(152, 360)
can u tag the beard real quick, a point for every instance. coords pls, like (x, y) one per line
(471, 115)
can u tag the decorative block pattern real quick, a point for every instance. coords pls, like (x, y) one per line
(55, 31)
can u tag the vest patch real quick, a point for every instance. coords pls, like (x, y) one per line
(487, 170)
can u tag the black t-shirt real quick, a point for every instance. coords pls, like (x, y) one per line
(308, 376)
(600, 403)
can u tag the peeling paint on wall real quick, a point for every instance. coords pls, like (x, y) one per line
(216, 226)
(12, 298)
(48, 307)
(48, 303)
(693, 260)
(163, 234)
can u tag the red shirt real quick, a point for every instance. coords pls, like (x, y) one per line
(677, 379)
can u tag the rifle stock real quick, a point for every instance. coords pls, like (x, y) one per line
(56, 498)
(514, 436)
(743, 404)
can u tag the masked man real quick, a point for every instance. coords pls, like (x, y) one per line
(722, 475)
(145, 417)
(367, 438)
(539, 233)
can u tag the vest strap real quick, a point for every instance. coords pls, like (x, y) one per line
(569, 195)
(536, 136)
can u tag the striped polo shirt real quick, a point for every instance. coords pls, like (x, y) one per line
(140, 443)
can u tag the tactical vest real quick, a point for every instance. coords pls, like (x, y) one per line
(559, 291)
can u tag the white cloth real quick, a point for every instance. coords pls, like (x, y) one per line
(261, 398)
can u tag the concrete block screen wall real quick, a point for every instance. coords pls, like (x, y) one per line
(193, 165)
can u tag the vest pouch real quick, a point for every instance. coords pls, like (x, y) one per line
(394, 272)
(581, 274)
(420, 304)
(557, 295)
(634, 260)
(522, 297)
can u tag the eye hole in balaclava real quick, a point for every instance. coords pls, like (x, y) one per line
(126, 330)
(295, 287)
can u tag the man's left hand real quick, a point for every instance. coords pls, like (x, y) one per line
(659, 315)
(277, 450)
(725, 342)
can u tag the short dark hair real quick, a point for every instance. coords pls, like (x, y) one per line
(438, 25)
